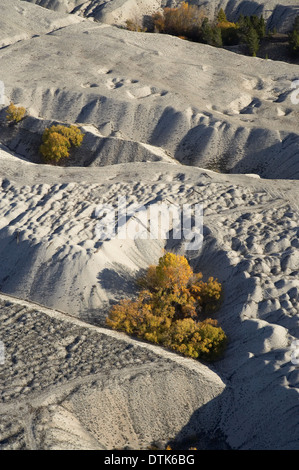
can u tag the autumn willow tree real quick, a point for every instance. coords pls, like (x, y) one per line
(15, 113)
(185, 21)
(172, 309)
(57, 141)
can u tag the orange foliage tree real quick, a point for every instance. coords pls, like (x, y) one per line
(169, 308)
(15, 113)
(184, 21)
(57, 140)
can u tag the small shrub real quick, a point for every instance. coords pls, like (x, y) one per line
(135, 25)
(211, 34)
(15, 113)
(294, 38)
(253, 42)
(294, 42)
(169, 308)
(229, 30)
(221, 16)
(57, 141)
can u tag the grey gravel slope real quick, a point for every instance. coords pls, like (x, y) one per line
(66, 383)
(21, 21)
(202, 106)
(250, 241)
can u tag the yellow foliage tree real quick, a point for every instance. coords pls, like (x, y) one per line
(168, 309)
(169, 281)
(15, 113)
(226, 24)
(209, 294)
(57, 141)
(55, 147)
(184, 21)
(197, 339)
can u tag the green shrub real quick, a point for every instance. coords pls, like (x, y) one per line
(15, 113)
(251, 30)
(253, 42)
(221, 16)
(169, 310)
(294, 42)
(229, 30)
(57, 141)
(294, 38)
(211, 34)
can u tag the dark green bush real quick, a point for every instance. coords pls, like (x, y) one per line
(294, 38)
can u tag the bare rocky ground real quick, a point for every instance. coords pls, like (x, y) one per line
(68, 382)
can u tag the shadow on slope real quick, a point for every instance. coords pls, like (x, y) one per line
(259, 407)
(255, 412)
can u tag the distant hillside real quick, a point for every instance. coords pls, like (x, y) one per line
(279, 15)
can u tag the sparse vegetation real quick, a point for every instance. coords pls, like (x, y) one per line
(135, 24)
(248, 30)
(171, 310)
(211, 34)
(294, 38)
(57, 141)
(251, 30)
(15, 113)
(190, 22)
